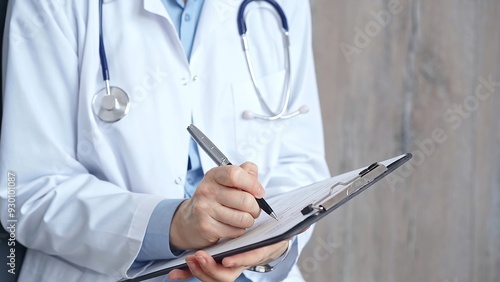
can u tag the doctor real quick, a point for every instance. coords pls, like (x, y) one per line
(97, 201)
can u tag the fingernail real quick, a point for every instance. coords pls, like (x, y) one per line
(201, 260)
(261, 192)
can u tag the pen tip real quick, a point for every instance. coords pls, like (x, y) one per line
(273, 215)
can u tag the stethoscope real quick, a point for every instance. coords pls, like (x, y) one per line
(111, 103)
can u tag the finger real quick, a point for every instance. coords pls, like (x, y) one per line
(216, 221)
(195, 269)
(239, 200)
(206, 268)
(180, 274)
(233, 218)
(214, 229)
(256, 257)
(251, 168)
(234, 176)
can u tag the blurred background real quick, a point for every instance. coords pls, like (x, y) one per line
(421, 77)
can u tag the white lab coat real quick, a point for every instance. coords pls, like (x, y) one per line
(86, 189)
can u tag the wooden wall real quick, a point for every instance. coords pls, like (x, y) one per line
(416, 81)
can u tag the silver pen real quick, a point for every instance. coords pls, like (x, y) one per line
(221, 160)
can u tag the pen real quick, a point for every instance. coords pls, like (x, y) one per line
(220, 159)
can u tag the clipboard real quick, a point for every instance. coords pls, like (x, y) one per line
(328, 195)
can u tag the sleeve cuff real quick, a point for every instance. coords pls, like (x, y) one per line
(156, 243)
(281, 271)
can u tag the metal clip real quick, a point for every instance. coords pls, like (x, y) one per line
(352, 186)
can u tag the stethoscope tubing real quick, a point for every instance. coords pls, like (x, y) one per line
(102, 48)
(242, 29)
(242, 26)
(118, 97)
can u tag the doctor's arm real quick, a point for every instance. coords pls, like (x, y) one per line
(63, 209)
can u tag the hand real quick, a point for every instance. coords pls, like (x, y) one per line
(223, 206)
(204, 267)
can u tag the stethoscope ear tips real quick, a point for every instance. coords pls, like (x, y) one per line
(248, 115)
(304, 109)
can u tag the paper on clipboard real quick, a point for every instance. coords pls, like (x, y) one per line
(289, 208)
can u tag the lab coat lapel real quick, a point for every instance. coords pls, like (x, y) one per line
(157, 7)
(214, 14)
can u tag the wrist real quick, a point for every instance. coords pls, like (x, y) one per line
(177, 238)
(271, 266)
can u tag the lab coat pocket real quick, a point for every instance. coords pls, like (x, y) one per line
(258, 140)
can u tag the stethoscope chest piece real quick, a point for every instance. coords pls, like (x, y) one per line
(111, 107)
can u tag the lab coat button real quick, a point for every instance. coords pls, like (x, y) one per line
(184, 81)
(178, 180)
(187, 17)
(195, 78)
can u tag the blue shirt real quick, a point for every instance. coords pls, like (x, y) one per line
(185, 17)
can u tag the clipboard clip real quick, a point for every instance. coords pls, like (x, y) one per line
(350, 187)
